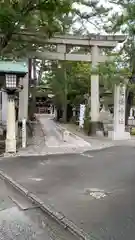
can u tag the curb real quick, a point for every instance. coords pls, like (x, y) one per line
(45, 156)
(72, 152)
(59, 153)
(99, 149)
(57, 216)
(62, 129)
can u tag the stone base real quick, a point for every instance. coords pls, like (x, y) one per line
(119, 135)
(10, 145)
(100, 133)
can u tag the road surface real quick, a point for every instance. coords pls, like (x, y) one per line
(20, 220)
(54, 135)
(73, 183)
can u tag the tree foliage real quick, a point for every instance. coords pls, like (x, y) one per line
(113, 72)
(36, 16)
(90, 15)
(18, 18)
(123, 21)
(76, 78)
(78, 74)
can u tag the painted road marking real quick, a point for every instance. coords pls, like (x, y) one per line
(86, 155)
(36, 179)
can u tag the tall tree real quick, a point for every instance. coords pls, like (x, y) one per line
(124, 21)
(77, 83)
(36, 16)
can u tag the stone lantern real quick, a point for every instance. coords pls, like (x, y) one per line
(12, 76)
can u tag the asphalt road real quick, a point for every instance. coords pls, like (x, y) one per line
(71, 184)
(20, 219)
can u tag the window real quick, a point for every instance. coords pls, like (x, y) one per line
(10, 81)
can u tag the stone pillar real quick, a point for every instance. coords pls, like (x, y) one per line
(119, 114)
(94, 92)
(61, 48)
(23, 99)
(11, 126)
(4, 107)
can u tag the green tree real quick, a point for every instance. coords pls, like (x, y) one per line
(124, 21)
(113, 72)
(22, 23)
(36, 16)
(90, 14)
(76, 83)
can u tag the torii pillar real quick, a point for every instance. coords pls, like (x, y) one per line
(94, 92)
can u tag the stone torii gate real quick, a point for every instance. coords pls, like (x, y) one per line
(95, 43)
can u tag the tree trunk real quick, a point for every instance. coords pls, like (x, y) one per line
(65, 113)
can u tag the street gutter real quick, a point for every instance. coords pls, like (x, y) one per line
(51, 212)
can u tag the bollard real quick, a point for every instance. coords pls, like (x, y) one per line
(65, 136)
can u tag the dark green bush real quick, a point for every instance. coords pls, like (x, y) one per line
(87, 121)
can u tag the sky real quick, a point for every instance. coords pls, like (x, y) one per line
(90, 27)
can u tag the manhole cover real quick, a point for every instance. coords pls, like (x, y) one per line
(96, 193)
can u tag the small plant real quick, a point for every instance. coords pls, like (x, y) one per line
(132, 131)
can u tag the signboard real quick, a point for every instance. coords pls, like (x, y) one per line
(119, 132)
(82, 114)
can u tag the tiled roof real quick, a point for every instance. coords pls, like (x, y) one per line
(14, 67)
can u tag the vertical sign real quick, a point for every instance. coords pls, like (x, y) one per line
(122, 104)
(82, 114)
(119, 113)
(119, 109)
